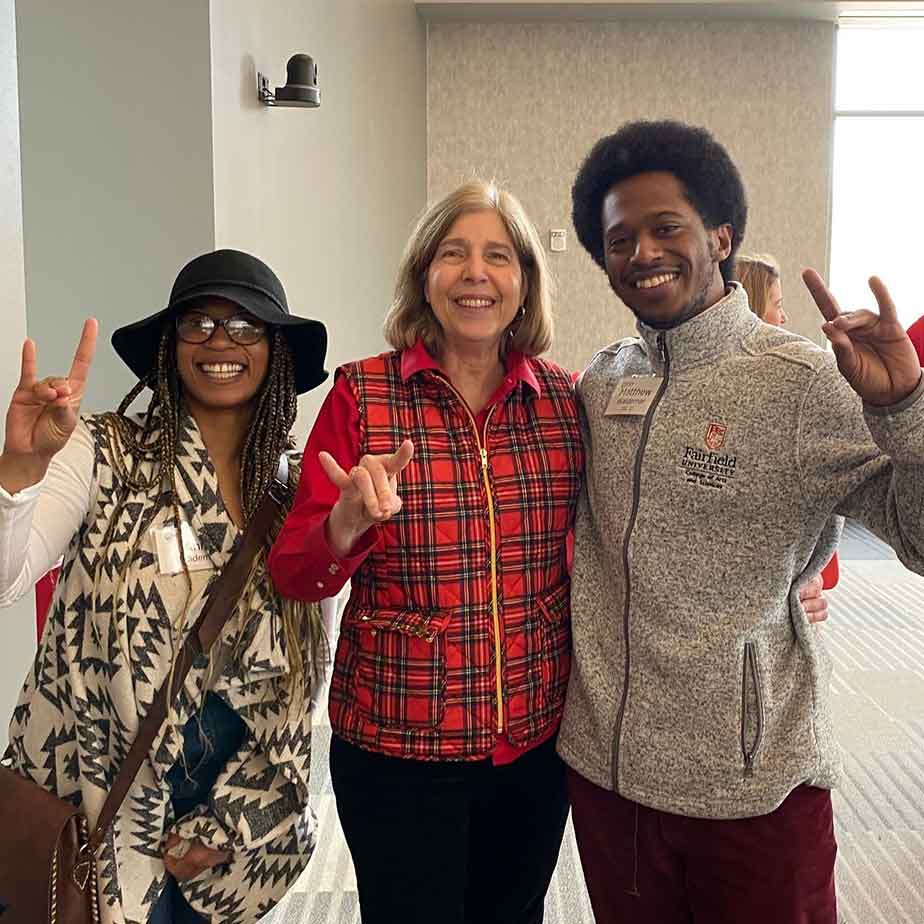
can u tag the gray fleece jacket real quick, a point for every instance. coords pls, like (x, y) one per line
(698, 686)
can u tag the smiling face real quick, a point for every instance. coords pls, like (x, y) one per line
(221, 374)
(660, 258)
(475, 283)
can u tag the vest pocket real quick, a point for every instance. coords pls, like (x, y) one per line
(752, 708)
(400, 678)
(555, 649)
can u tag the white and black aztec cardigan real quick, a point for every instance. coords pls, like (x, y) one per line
(103, 655)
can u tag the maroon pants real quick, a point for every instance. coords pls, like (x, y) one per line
(643, 866)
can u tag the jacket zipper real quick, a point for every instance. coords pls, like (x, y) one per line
(626, 557)
(752, 666)
(495, 609)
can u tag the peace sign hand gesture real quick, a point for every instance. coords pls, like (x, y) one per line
(368, 494)
(43, 413)
(872, 350)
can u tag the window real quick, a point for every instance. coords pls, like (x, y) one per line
(877, 223)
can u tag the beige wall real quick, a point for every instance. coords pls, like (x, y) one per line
(17, 624)
(116, 167)
(326, 196)
(525, 102)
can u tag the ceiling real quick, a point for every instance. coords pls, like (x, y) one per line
(533, 10)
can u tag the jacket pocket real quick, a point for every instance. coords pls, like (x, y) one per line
(752, 708)
(401, 666)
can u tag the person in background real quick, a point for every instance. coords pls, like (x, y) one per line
(218, 824)
(759, 275)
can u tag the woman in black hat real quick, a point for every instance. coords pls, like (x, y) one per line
(145, 508)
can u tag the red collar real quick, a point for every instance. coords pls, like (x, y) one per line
(416, 359)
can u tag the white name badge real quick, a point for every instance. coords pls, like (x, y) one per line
(168, 550)
(632, 396)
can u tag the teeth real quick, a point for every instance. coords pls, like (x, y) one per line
(222, 370)
(475, 302)
(653, 281)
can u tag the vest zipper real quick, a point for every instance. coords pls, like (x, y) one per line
(495, 610)
(626, 557)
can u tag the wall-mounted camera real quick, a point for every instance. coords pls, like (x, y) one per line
(301, 87)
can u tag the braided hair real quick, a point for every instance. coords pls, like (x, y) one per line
(156, 442)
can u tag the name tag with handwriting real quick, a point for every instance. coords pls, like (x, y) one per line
(633, 396)
(167, 543)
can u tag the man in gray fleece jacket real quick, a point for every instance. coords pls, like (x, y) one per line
(697, 725)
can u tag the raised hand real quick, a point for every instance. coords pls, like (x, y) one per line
(43, 413)
(872, 350)
(368, 494)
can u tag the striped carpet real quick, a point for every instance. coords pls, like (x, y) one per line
(876, 639)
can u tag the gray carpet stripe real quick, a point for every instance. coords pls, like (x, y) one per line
(872, 898)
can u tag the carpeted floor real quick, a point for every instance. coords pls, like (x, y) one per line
(876, 638)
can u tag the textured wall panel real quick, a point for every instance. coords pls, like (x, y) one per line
(524, 103)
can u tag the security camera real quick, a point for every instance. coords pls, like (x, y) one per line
(301, 87)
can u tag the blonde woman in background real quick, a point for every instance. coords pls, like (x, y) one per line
(760, 276)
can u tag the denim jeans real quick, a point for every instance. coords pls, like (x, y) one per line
(210, 738)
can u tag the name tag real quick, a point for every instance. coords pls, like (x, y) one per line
(633, 396)
(167, 544)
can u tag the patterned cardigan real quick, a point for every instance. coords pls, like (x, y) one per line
(104, 653)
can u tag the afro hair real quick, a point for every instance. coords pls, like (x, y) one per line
(710, 179)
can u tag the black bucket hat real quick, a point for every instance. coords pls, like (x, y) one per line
(246, 281)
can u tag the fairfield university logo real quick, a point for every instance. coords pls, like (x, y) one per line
(715, 436)
(709, 467)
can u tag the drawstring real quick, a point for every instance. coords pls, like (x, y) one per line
(634, 890)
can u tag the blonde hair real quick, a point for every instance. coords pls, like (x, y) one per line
(410, 317)
(757, 272)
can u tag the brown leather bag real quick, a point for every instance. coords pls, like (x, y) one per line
(46, 870)
(47, 855)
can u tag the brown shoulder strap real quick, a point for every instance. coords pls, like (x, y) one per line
(215, 613)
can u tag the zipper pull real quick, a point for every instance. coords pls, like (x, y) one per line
(484, 458)
(662, 349)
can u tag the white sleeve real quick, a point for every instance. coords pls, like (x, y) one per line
(38, 523)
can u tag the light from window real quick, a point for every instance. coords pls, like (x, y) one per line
(878, 184)
(880, 67)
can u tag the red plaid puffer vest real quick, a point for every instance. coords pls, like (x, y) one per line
(443, 645)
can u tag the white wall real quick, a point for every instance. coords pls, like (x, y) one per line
(326, 196)
(17, 624)
(115, 104)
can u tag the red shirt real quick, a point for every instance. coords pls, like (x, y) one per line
(44, 591)
(916, 333)
(301, 562)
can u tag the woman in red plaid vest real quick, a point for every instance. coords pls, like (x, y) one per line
(442, 478)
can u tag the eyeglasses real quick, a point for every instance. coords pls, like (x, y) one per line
(199, 328)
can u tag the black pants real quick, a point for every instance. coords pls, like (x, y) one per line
(451, 842)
